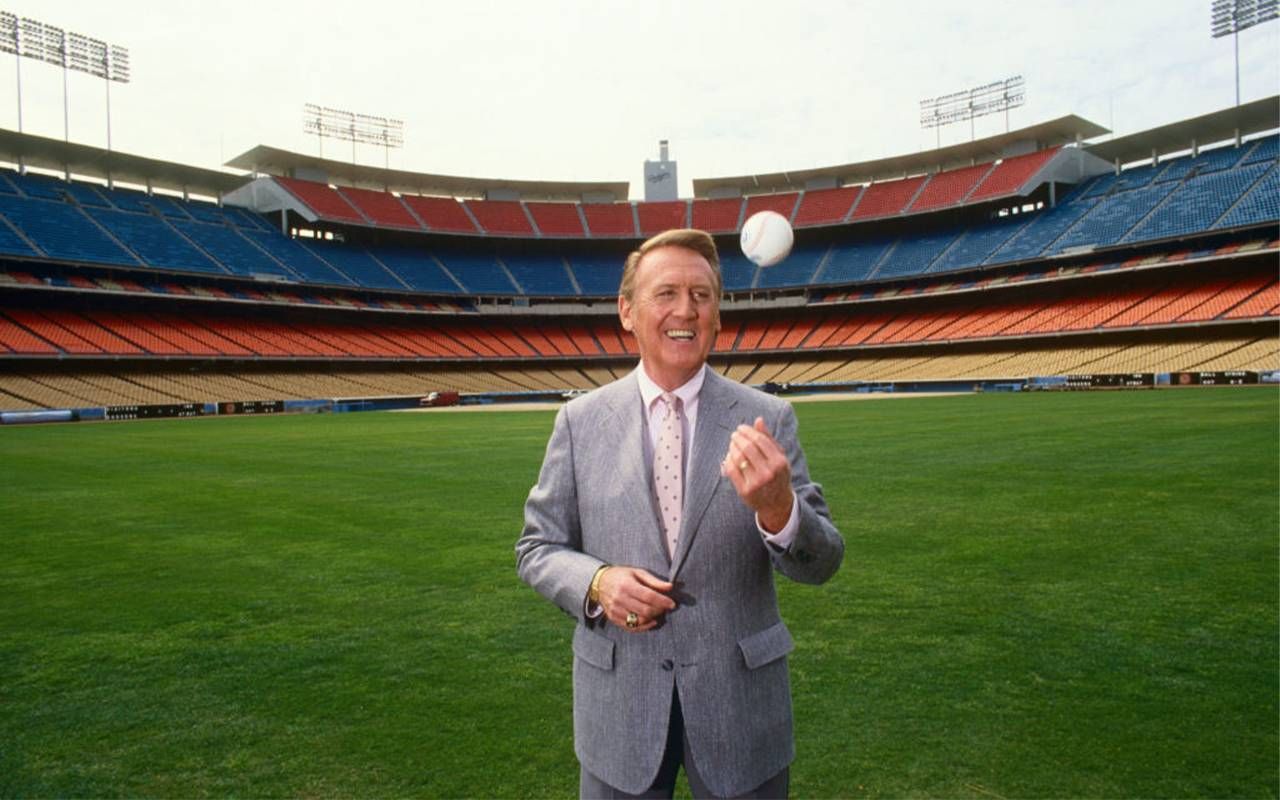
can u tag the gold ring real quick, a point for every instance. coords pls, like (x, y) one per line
(633, 619)
(742, 465)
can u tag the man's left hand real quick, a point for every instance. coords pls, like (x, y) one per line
(759, 470)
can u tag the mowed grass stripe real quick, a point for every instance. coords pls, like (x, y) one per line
(1044, 595)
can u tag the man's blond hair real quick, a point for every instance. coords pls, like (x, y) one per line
(698, 241)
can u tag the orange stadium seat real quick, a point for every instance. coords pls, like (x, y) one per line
(1264, 303)
(17, 339)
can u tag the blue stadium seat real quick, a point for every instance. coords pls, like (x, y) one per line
(417, 269)
(540, 274)
(235, 253)
(853, 261)
(797, 270)
(13, 244)
(168, 206)
(736, 271)
(157, 244)
(63, 231)
(1265, 149)
(128, 200)
(1197, 204)
(978, 243)
(356, 264)
(1208, 161)
(1260, 205)
(480, 273)
(598, 275)
(205, 212)
(43, 187)
(298, 261)
(915, 255)
(6, 185)
(1113, 217)
(1045, 227)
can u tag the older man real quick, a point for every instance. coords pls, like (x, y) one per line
(665, 502)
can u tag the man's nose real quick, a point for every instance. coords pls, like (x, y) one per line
(686, 306)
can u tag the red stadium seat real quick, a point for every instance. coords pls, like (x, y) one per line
(322, 199)
(502, 217)
(382, 208)
(716, 216)
(556, 219)
(440, 213)
(609, 219)
(887, 198)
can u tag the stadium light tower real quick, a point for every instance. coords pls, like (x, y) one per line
(347, 126)
(1233, 16)
(29, 38)
(972, 103)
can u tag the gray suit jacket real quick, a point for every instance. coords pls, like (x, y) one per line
(724, 648)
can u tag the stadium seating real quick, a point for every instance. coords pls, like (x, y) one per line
(716, 216)
(322, 199)
(556, 219)
(154, 241)
(380, 208)
(609, 219)
(949, 188)
(500, 217)
(1197, 204)
(887, 198)
(660, 216)
(784, 204)
(826, 206)
(541, 275)
(63, 232)
(441, 213)
(1010, 174)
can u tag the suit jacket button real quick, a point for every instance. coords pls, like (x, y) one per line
(668, 664)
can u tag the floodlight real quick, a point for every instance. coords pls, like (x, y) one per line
(348, 126)
(972, 103)
(30, 38)
(1229, 17)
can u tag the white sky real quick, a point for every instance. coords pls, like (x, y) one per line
(582, 90)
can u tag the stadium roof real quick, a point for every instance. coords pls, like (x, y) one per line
(1046, 134)
(273, 161)
(95, 162)
(1219, 126)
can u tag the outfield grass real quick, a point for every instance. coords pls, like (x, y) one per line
(1043, 596)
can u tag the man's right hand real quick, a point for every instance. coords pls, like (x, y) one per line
(627, 590)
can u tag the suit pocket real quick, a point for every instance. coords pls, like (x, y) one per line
(593, 648)
(767, 645)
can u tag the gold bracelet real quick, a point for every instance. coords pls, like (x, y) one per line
(593, 594)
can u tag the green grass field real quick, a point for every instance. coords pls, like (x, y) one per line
(1045, 595)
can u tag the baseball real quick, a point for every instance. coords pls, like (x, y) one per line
(766, 238)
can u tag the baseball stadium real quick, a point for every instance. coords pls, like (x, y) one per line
(267, 430)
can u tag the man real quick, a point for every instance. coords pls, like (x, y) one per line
(665, 501)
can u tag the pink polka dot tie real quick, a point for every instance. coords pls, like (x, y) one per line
(668, 471)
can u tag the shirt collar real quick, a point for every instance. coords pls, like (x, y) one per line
(650, 391)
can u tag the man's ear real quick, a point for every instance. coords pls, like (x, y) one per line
(624, 313)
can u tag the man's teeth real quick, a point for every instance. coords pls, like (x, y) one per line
(680, 334)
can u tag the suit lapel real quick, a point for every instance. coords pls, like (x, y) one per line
(710, 443)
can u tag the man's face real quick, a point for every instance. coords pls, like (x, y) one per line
(674, 313)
